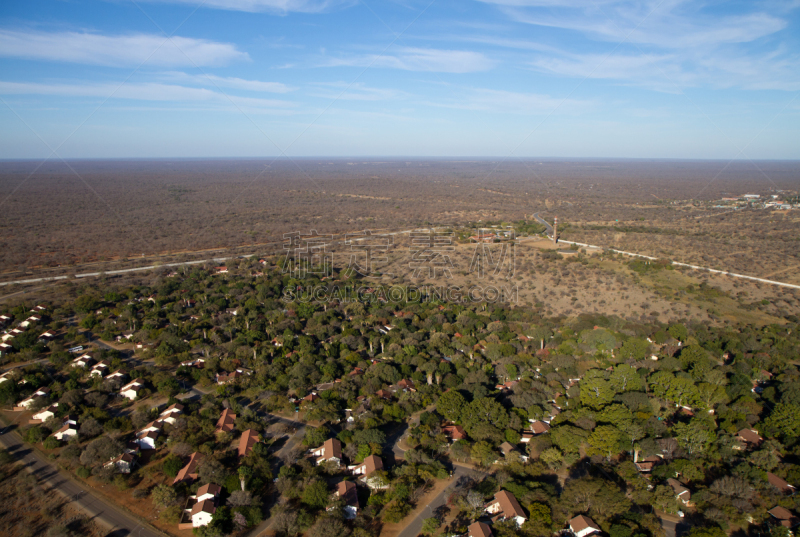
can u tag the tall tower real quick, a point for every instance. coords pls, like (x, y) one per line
(555, 231)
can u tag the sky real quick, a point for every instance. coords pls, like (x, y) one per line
(682, 79)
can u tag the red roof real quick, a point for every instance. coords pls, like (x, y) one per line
(249, 439)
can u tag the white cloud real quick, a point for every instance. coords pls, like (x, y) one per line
(274, 6)
(669, 24)
(117, 50)
(509, 102)
(229, 82)
(355, 92)
(139, 92)
(421, 59)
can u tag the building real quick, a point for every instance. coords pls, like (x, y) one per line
(748, 438)
(780, 484)
(784, 517)
(123, 463)
(367, 469)
(507, 449)
(84, 360)
(582, 525)
(454, 432)
(682, 494)
(645, 465)
(67, 431)
(26, 403)
(44, 415)
(331, 450)
(201, 513)
(189, 473)
(225, 378)
(539, 427)
(479, 529)
(208, 491)
(506, 507)
(226, 422)
(146, 439)
(100, 368)
(171, 413)
(132, 389)
(249, 439)
(346, 490)
(118, 374)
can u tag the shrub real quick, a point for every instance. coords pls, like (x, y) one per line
(83, 472)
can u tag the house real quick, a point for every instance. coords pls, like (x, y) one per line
(506, 507)
(346, 490)
(154, 426)
(225, 378)
(645, 465)
(366, 469)
(132, 389)
(118, 374)
(682, 494)
(171, 413)
(123, 463)
(383, 394)
(310, 398)
(249, 439)
(784, 517)
(779, 483)
(582, 525)
(406, 385)
(526, 438)
(539, 427)
(225, 423)
(454, 432)
(199, 363)
(331, 450)
(67, 431)
(147, 439)
(100, 368)
(748, 438)
(506, 387)
(84, 360)
(44, 415)
(221, 270)
(201, 513)
(70, 419)
(479, 529)
(208, 491)
(28, 401)
(507, 449)
(189, 472)
(47, 336)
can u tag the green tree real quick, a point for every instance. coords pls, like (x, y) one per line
(596, 392)
(694, 436)
(315, 495)
(451, 405)
(172, 465)
(624, 378)
(430, 525)
(164, 496)
(484, 410)
(633, 349)
(552, 457)
(605, 440)
(483, 453)
(784, 420)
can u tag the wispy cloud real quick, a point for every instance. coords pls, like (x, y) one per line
(355, 92)
(117, 50)
(228, 82)
(420, 59)
(509, 102)
(669, 24)
(137, 91)
(273, 6)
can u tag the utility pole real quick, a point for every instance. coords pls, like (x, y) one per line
(555, 231)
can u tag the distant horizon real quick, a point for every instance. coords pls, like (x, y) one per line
(400, 159)
(621, 79)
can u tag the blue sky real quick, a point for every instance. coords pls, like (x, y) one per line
(496, 78)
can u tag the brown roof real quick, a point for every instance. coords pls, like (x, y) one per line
(383, 394)
(581, 522)
(190, 470)
(507, 448)
(684, 493)
(749, 436)
(539, 427)
(372, 463)
(206, 506)
(225, 423)
(509, 505)
(249, 439)
(779, 483)
(209, 488)
(456, 432)
(479, 529)
(332, 448)
(785, 516)
(347, 491)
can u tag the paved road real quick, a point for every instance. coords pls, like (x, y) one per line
(415, 526)
(548, 227)
(116, 522)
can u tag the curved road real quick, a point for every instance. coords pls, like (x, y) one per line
(115, 521)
